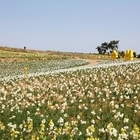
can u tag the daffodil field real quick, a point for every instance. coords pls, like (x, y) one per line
(58, 101)
(16, 69)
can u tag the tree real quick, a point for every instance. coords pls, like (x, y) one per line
(112, 45)
(104, 47)
(99, 49)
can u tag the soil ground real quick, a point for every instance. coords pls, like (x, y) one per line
(92, 62)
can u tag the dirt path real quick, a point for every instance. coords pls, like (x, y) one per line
(91, 61)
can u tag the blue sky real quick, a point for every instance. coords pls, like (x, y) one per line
(69, 25)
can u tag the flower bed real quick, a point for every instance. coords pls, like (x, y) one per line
(99, 102)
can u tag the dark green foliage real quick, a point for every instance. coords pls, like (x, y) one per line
(112, 45)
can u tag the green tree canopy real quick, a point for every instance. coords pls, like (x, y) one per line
(112, 45)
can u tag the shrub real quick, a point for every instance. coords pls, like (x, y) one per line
(122, 54)
(134, 54)
(139, 56)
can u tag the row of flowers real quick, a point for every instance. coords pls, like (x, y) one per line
(15, 69)
(99, 102)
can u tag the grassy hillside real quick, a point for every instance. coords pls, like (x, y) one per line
(18, 54)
